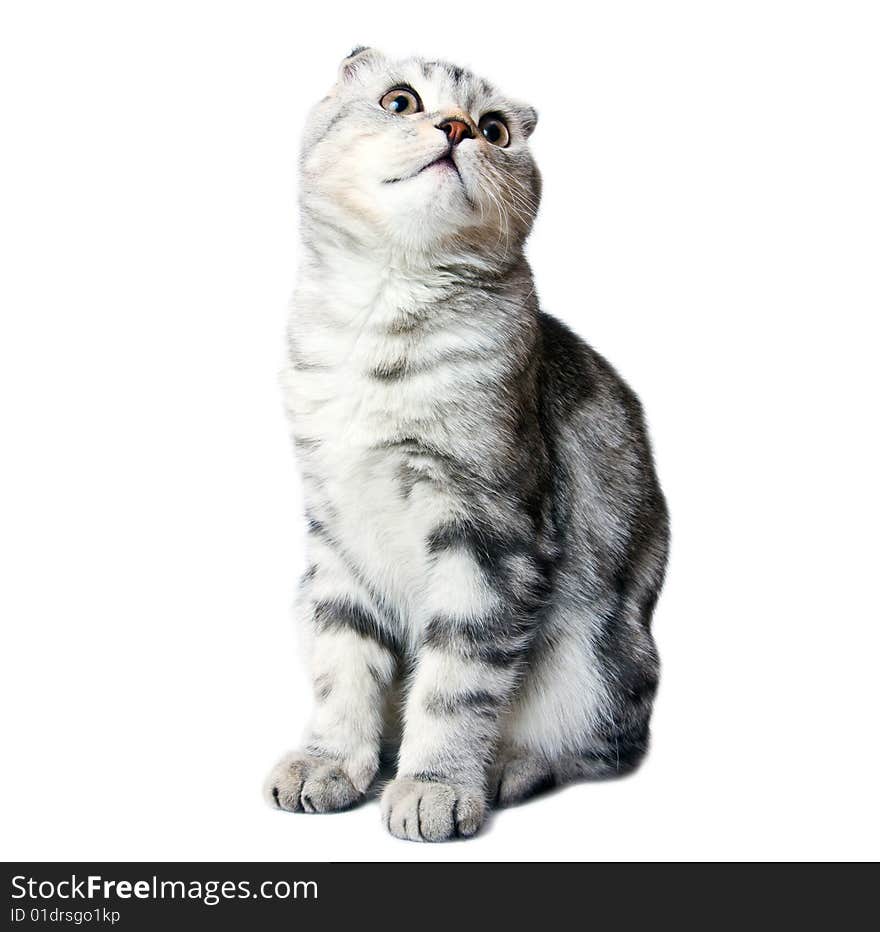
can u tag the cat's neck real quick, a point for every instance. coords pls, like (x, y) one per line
(346, 281)
(446, 340)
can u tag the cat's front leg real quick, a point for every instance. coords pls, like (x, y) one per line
(480, 625)
(352, 667)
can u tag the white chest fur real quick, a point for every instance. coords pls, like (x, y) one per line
(368, 393)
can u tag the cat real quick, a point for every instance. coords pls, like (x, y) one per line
(487, 537)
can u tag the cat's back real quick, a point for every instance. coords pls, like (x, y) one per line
(580, 387)
(596, 432)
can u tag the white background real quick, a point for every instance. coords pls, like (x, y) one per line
(711, 222)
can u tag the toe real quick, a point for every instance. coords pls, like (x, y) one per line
(328, 789)
(401, 811)
(470, 811)
(282, 789)
(436, 812)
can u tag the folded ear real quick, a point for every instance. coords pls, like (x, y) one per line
(527, 117)
(357, 61)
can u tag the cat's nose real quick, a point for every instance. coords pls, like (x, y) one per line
(455, 130)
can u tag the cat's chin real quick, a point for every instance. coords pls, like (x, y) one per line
(435, 202)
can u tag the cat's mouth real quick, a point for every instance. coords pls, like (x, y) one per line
(444, 162)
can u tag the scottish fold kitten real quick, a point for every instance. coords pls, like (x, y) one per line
(486, 534)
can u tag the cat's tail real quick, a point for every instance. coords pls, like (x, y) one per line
(614, 756)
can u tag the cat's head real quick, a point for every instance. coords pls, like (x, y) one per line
(422, 155)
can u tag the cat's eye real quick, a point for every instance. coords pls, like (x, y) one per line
(402, 101)
(494, 129)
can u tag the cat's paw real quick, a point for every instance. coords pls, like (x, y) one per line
(517, 778)
(304, 783)
(420, 810)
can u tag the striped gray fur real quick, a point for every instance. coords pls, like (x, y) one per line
(486, 534)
